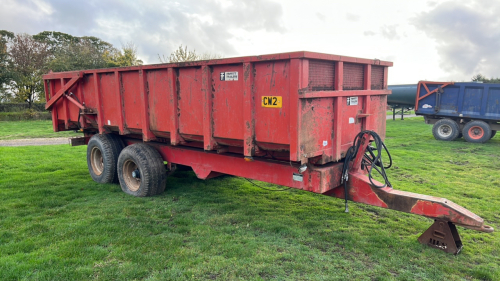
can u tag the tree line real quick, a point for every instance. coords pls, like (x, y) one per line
(25, 58)
(482, 78)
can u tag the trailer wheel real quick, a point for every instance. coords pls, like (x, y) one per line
(446, 130)
(477, 131)
(102, 156)
(141, 171)
(493, 133)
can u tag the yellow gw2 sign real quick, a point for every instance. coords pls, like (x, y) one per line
(272, 101)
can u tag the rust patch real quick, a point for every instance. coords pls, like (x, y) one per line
(395, 201)
(246, 72)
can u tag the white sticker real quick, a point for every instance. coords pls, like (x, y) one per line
(325, 143)
(297, 177)
(109, 123)
(229, 76)
(351, 120)
(352, 101)
(426, 106)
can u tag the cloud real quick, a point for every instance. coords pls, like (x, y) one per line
(369, 33)
(352, 17)
(155, 26)
(389, 32)
(320, 16)
(467, 36)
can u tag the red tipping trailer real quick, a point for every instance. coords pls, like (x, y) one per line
(302, 120)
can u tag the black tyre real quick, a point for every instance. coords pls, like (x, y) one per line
(493, 133)
(446, 130)
(102, 156)
(477, 131)
(141, 171)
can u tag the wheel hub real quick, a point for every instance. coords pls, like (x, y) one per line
(136, 174)
(96, 161)
(132, 175)
(445, 130)
(476, 132)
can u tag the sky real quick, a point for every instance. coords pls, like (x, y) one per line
(426, 40)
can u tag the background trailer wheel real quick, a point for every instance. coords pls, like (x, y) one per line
(477, 131)
(102, 156)
(141, 171)
(446, 130)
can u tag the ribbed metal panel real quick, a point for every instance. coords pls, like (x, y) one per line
(377, 82)
(321, 75)
(353, 76)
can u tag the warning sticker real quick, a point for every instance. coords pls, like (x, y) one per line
(352, 100)
(229, 76)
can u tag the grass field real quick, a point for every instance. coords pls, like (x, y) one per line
(57, 224)
(10, 130)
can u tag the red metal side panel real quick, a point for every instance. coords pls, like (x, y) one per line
(72, 109)
(67, 112)
(377, 109)
(298, 77)
(110, 108)
(272, 124)
(228, 103)
(89, 92)
(132, 100)
(58, 107)
(159, 100)
(190, 101)
(350, 125)
(316, 134)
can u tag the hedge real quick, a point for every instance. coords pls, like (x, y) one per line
(20, 107)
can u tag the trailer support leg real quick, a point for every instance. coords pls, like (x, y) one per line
(442, 235)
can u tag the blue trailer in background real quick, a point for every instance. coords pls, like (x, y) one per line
(470, 109)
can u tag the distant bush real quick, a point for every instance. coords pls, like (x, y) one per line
(24, 115)
(20, 107)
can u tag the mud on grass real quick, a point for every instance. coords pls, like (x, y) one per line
(56, 223)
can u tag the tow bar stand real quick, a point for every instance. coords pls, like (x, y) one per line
(442, 235)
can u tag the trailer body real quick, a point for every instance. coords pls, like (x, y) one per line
(298, 106)
(291, 119)
(459, 104)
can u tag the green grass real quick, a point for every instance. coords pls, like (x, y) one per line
(10, 130)
(57, 224)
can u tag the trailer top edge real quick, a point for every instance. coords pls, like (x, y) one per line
(234, 60)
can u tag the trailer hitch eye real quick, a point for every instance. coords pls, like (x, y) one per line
(136, 174)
